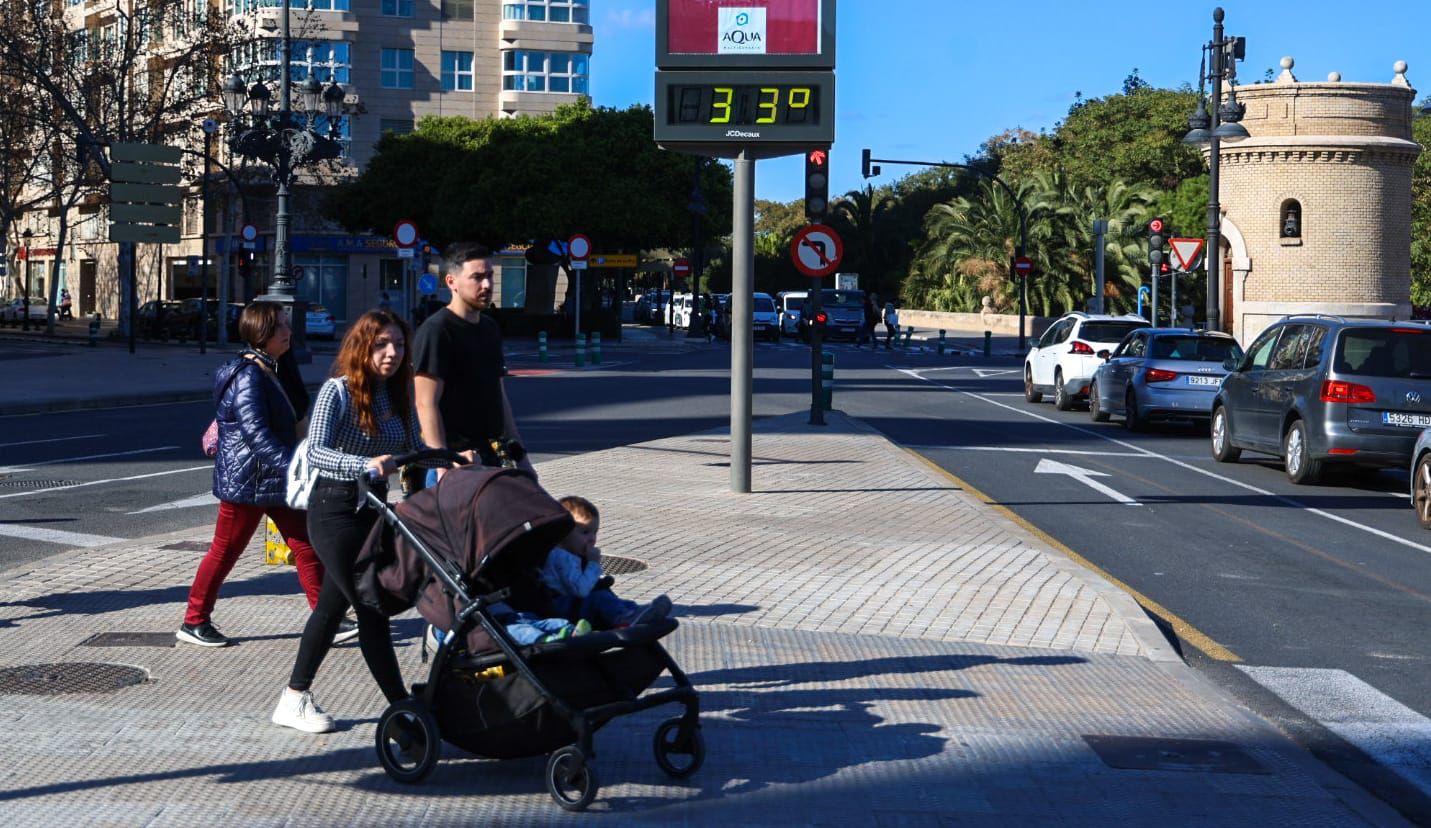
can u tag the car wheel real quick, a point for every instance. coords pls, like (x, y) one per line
(1133, 419)
(1301, 468)
(1029, 393)
(1421, 491)
(1061, 399)
(1094, 409)
(1222, 449)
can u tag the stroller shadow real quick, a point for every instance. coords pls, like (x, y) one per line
(708, 610)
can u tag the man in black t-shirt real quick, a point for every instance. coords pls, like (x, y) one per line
(457, 358)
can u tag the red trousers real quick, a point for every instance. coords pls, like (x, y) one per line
(234, 529)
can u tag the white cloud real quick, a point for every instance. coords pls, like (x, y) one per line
(631, 18)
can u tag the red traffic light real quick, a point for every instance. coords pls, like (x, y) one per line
(1156, 225)
(821, 318)
(1164, 268)
(817, 157)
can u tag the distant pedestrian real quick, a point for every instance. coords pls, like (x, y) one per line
(891, 325)
(385, 303)
(867, 324)
(257, 433)
(458, 364)
(66, 305)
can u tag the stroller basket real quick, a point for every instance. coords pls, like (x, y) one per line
(452, 550)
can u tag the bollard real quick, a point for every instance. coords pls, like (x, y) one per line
(941, 342)
(580, 350)
(827, 379)
(94, 330)
(596, 348)
(542, 346)
(988, 344)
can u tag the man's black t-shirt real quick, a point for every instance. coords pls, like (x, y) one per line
(467, 357)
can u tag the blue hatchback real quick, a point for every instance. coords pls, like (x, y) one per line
(1161, 373)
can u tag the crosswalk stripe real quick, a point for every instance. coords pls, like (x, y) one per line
(71, 539)
(1391, 733)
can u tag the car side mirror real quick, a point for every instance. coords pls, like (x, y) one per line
(1232, 363)
(1105, 354)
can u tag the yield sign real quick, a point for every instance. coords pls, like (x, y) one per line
(1186, 253)
(817, 250)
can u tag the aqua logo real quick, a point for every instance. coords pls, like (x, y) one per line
(742, 19)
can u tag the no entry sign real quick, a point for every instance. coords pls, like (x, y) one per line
(681, 267)
(817, 251)
(1023, 265)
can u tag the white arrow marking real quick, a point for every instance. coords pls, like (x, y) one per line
(205, 499)
(994, 372)
(1084, 476)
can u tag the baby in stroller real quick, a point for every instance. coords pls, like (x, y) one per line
(578, 588)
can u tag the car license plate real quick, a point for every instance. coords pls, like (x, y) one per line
(1396, 418)
(1196, 380)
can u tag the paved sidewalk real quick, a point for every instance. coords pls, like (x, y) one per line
(873, 646)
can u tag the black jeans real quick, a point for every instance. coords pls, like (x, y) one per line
(337, 529)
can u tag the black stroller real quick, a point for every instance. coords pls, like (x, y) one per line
(479, 537)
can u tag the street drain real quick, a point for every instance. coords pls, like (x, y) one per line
(130, 639)
(187, 546)
(1142, 753)
(69, 677)
(613, 565)
(36, 484)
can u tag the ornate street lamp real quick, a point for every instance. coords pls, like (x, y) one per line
(26, 234)
(1209, 130)
(274, 138)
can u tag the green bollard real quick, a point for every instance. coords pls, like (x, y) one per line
(596, 348)
(580, 350)
(542, 346)
(941, 342)
(988, 344)
(827, 379)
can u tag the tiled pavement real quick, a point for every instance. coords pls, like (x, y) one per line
(872, 646)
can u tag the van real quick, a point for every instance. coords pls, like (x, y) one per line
(788, 304)
(765, 320)
(844, 314)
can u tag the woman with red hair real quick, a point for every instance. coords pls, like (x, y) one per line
(363, 416)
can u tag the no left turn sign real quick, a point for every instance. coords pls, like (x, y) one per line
(817, 250)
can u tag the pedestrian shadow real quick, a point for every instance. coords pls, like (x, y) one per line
(102, 601)
(708, 610)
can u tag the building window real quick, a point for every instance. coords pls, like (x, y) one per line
(1290, 224)
(545, 71)
(397, 126)
(553, 11)
(457, 71)
(324, 282)
(457, 9)
(397, 8)
(259, 60)
(397, 69)
(249, 6)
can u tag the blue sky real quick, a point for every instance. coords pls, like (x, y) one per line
(933, 79)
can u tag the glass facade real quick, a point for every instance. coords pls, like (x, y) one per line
(324, 282)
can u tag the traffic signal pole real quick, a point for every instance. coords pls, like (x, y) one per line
(742, 336)
(817, 338)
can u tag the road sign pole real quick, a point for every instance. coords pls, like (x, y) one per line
(742, 343)
(817, 303)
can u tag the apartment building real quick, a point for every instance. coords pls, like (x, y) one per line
(397, 61)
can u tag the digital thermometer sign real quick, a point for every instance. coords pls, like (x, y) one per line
(758, 107)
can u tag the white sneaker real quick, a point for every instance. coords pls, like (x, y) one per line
(300, 712)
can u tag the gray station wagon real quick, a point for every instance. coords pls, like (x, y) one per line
(1319, 390)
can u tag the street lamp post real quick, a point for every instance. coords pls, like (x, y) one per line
(274, 139)
(870, 170)
(26, 234)
(1209, 126)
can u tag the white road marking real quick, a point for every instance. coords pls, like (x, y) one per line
(12, 470)
(1084, 476)
(209, 467)
(1388, 731)
(1032, 450)
(71, 539)
(205, 499)
(1371, 530)
(52, 440)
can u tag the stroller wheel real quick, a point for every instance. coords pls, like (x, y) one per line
(680, 749)
(570, 779)
(409, 743)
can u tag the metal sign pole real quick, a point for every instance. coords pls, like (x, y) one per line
(817, 397)
(742, 339)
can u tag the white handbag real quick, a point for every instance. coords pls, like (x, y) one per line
(302, 475)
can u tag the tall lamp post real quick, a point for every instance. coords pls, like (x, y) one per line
(1208, 127)
(26, 234)
(274, 139)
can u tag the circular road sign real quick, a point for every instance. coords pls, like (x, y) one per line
(578, 247)
(405, 233)
(817, 250)
(249, 233)
(1023, 265)
(681, 267)
(427, 284)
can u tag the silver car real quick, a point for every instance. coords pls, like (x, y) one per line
(1161, 373)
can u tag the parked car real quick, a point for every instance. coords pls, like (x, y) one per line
(652, 307)
(155, 319)
(1421, 478)
(787, 304)
(1160, 373)
(1322, 390)
(844, 314)
(1063, 360)
(320, 323)
(13, 312)
(678, 312)
(765, 320)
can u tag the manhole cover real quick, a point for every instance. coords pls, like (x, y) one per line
(130, 639)
(187, 546)
(613, 565)
(69, 677)
(35, 484)
(1142, 753)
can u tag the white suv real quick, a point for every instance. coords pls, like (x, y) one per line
(1063, 360)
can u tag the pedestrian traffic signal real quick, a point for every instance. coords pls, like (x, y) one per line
(817, 185)
(1156, 227)
(821, 319)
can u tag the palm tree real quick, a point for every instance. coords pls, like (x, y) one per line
(864, 220)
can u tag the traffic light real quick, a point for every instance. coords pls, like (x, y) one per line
(1156, 228)
(821, 319)
(867, 169)
(817, 185)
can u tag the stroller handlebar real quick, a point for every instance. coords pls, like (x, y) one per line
(453, 458)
